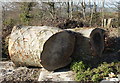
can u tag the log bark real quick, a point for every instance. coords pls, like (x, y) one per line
(47, 47)
(26, 44)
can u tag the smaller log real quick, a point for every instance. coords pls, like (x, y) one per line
(89, 42)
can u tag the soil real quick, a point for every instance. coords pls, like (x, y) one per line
(10, 73)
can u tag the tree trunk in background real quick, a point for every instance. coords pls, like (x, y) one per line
(68, 9)
(92, 12)
(109, 22)
(3, 14)
(83, 9)
(52, 7)
(119, 18)
(90, 6)
(103, 2)
(105, 23)
(71, 10)
(95, 7)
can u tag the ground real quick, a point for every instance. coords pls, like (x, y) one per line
(9, 72)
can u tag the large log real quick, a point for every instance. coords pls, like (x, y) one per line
(30, 45)
(26, 44)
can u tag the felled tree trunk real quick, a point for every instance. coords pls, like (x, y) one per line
(51, 47)
(89, 41)
(26, 44)
(47, 47)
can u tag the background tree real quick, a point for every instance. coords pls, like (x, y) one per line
(50, 8)
(68, 9)
(25, 15)
(119, 18)
(83, 4)
(103, 4)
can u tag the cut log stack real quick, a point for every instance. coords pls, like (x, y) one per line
(51, 47)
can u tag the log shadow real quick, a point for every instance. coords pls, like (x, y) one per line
(110, 54)
(89, 49)
(112, 50)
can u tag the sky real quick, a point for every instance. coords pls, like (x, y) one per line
(98, 2)
(58, 0)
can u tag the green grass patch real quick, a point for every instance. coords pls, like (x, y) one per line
(87, 73)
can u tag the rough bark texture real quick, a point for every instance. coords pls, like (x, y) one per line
(31, 44)
(26, 44)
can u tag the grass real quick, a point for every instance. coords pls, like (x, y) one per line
(85, 72)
